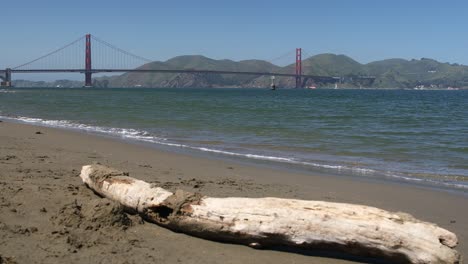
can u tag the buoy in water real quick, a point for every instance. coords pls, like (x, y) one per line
(272, 85)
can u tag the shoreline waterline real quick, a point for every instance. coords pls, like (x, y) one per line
(277, 163)
(408, 136)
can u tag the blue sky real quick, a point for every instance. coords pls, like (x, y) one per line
(362, 29)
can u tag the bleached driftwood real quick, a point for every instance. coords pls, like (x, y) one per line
(269, 222)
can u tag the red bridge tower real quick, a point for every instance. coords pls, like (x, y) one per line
(88, 68)
(298, 68)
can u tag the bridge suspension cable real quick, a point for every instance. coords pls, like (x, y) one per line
(284, 59)
(108, 56)
(72, 57)
(307, 55)
(120, 50)
(77, 41)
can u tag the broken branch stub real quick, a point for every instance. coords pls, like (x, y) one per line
(269, 222)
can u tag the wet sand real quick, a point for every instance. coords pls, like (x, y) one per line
(48, 216)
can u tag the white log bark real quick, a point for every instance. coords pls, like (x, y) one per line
(271, 222)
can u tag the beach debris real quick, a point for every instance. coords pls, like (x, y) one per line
(273, 222)
(39, 133)
(6, 260)
(9, 157)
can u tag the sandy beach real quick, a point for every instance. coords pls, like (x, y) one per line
(48, 216)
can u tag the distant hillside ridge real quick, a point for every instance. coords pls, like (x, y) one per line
(389, 73)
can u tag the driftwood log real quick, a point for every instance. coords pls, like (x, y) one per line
(271, 222)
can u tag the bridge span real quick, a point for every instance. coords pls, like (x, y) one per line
(88, 70)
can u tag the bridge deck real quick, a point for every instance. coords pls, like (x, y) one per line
(315, 77)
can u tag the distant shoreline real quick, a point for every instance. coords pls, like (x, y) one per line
(422, 73)
(229, 87)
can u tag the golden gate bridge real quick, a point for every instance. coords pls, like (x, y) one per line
(103, 57)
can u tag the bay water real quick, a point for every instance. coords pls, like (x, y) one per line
(405, 135)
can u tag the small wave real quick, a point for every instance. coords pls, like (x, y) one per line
(335, 168)
(6, 91)
(139, 135)
(252, 156)
(147, 137)
(122, 132)
(433, 182)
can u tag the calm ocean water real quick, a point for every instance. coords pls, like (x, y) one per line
(415, 136)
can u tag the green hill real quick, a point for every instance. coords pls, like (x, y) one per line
(330, 65)
(193, 80)
(410, 73)
(390, 73)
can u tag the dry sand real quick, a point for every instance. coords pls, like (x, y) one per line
(48, 216)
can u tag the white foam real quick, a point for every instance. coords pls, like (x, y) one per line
(122, 132)
(6, 91)
(429, 181)
(144, 136)
(252, 156)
